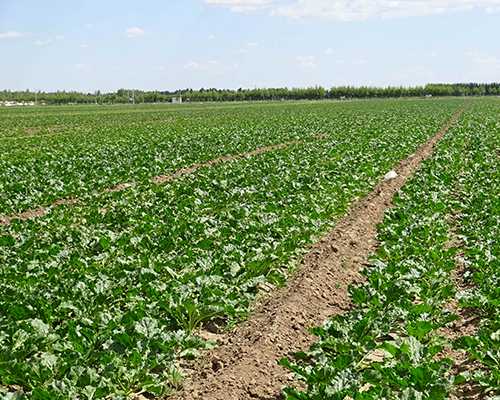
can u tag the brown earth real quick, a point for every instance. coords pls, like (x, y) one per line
(246, 365)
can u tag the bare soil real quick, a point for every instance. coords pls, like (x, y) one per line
(246, 365)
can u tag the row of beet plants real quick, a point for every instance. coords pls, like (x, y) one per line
(39, 171)
(389, 345)
(479, 230)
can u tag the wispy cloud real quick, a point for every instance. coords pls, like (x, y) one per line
(416, 72)
(306, 62)
(135, 32)
(84, 46)
(361, 61)
(328, 51)
(360, 10)
(252, 44)
(14, 34)
(42, 42)
(82, 67)
(408, 56)
(483, 59)
(210, 37)
(212, 67)
(241, 5)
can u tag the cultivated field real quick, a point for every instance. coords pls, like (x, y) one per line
(134, 238)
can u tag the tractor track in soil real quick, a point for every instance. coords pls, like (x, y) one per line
(160, 179)
(246, 365)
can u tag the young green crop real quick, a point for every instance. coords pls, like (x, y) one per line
(103, 297)
(387, 346)
(78, 157)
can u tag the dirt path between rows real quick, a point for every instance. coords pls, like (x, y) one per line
(5, 219)
(246, 366)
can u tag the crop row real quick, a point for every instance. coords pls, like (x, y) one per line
(385, 347)
(103, 298)
(38, 171)
(392, 344)
(479, 229)
(42, 119)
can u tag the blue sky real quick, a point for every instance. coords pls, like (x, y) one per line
(87, 45)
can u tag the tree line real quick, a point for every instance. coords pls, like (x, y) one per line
(124, 96)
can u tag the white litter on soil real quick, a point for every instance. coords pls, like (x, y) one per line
(390, 175)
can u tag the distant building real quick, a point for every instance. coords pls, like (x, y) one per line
(176, 100)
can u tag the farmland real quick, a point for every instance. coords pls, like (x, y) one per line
(107, 293)
(438, 262)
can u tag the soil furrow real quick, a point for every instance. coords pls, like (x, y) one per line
(246, 366)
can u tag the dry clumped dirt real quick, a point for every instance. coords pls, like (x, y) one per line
(246, 366)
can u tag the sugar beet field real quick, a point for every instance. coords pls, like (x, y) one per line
(251, 250)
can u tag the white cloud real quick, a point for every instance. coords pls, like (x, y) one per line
(433, 55)
(84, 46)
(41, 43)
(407, 56)
(360, 10)
(242, 50)
(361, 61)
(252, 44)
(89, 26)
(210, 37)
(162, 69)
(328, 51)
(212, 67)
(135, 32)
(82, 67)
(306, 62)
(59, 37)
(483, 59)
(192, 65)
(416, 72)
(241, 5)
(14, 34)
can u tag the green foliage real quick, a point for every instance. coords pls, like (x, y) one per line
(387, 347)
(105, 297)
